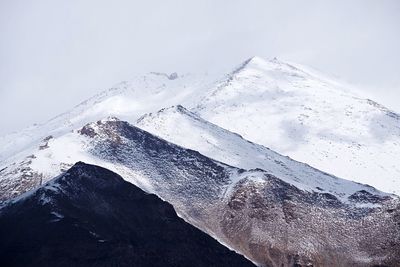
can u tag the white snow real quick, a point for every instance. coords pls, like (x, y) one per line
(309, 118)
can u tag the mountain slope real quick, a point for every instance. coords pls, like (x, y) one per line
(309, 118)
(255, 212)
(90, 216)
(182, 127)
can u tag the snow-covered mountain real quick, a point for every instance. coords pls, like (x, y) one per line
(248, 194)
(292, 110)
(261, 214)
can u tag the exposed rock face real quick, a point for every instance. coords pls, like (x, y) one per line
(18, 178)
(279, 225)
(91, 217)
(171, 76)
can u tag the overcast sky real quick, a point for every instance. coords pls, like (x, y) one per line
(54, 54)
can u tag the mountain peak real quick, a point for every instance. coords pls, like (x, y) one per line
(81, 174)
(274, 65)
(255, 60)
(177, 108)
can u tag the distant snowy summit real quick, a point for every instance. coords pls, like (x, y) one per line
(282, 106)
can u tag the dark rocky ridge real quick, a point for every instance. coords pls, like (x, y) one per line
(90, 216)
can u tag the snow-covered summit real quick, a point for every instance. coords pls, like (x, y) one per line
(309, 118)
(292, 110)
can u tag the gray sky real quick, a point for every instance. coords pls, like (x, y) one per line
(54, 54)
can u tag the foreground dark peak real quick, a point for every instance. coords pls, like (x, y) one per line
(91, 217)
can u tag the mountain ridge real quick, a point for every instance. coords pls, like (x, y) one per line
(231, 148)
